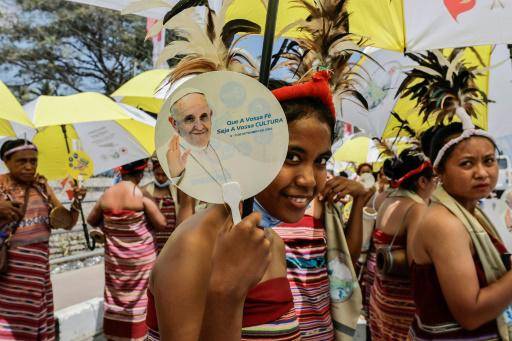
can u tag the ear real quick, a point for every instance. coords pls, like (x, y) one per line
(172, 121)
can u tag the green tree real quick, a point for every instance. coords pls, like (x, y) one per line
(59, 47)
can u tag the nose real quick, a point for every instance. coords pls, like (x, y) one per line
(306, 177)
(198, 125)
(481, 170)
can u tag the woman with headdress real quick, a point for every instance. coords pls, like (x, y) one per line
(391, 303)
(26, 298)
(460, 269)
(166, 198)
(127, 219)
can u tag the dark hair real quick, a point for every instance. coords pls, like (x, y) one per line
(408, 160)
(11, 144)
(441, 136)
(426, 140)
(364, 164)
(135, 168)
(300, 108)
(343, 174)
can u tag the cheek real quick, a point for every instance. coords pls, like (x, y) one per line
(321, 179)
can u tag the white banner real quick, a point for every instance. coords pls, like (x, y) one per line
(456, 23)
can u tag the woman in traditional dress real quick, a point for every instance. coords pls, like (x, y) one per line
(127, 219)
(26, 298)
(460, 269)
(166, 198)
(391, 302)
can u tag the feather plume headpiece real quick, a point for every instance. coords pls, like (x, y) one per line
(326, 45)
(442, 84)
(445, 87)
(205, 48)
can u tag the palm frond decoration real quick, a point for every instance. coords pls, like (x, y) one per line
(441, 84)
(404, 126)
(327, 44)
(203, 47)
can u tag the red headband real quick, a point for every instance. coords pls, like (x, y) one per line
(318, 88)
(397, 183)
(128, 171)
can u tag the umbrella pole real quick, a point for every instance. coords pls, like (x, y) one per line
(266, 57)
(84, 224)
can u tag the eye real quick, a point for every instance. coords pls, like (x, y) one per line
(490, 161)
(205, 117)
(466, 164)
(323, 160)
(189, 119)
(292, 158)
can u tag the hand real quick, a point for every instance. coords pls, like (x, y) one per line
(10, 211)
(240, 258)
(338, 187)
(175, 160)
(79, 192)
(97, 235)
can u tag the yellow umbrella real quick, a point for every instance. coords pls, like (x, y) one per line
(142, 91)
(384, 83)
(87, 134)
(401, 25)
(12, 116)
(360, 149)
(355, 150)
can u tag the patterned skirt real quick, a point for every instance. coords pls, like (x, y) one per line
(26, 297)
(168, 209)
(129, 257)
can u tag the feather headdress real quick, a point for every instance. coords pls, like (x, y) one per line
(208, 47)
(326, 45)
(445, 87)
(441, 85)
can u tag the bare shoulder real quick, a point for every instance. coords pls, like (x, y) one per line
(439, 226)
(195, 237)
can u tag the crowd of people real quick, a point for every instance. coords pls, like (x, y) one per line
(292, 269)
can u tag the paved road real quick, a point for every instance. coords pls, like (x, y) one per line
(77, 286)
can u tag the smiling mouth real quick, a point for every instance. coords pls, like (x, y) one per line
(299, 202)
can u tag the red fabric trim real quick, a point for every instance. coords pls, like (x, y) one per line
(151, 318)
(118, 213)
(307, 220)
(397, 183)
(267, 302)
(131, 330)
(318, 88)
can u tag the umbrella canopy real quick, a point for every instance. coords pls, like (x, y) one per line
(358, 149)
(13, 119)
(87, 134)
(407, 25)
(399, 25)
(384, 83)
(142, 91)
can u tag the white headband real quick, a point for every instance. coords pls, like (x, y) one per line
(20, 148)
(468, 131)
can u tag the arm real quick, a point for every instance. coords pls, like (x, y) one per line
(412, 221)
(156, 218)
(187, 207)
(74, 210)
(448, 245)
(180, 294)
(337, 188)
(95, 216)
(354, 230)
(231, 280)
